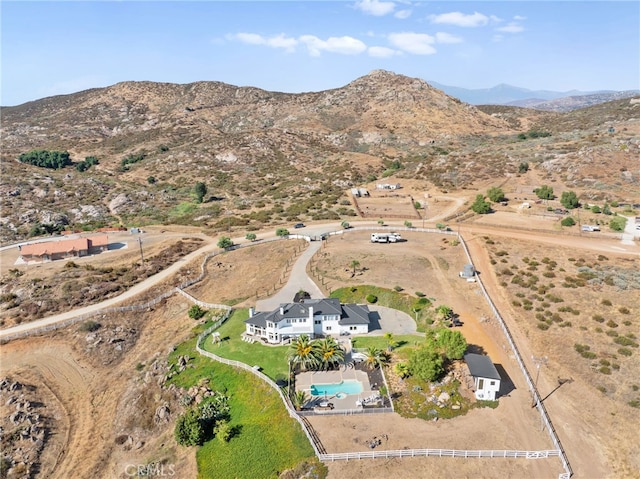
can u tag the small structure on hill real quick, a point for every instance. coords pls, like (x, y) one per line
(486, 378)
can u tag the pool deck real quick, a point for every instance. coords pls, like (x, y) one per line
(306, 379)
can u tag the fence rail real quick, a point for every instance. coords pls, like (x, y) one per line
(345, 456)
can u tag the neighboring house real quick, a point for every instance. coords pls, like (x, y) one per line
(486, 378)
(69, 248)
(313, 317)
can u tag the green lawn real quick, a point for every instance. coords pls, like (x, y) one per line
(272, 359)
(405, 342)
(268, 440)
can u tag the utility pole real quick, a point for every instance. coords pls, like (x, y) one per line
(141, 254)
(538, 362)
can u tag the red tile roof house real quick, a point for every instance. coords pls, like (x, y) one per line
(70, 248)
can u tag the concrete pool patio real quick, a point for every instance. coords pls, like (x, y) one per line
(341, 402)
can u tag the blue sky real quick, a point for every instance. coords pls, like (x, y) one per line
(51, 48)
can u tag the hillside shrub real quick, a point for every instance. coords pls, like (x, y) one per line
(46, 159)
(371, 298)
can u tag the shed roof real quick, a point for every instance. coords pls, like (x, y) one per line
(481, 366)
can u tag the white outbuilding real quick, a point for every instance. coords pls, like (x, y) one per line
(486, 378)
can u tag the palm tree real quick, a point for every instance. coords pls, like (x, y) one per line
(402, 370)
(354, 264)
(329, 352)
(391, 341)
(303, 352)
(375, 357)
(298, 399)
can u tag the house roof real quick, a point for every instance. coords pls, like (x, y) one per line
(53, 247)
(354, 314)
(349, 313)
(63, 246)
(481, 366)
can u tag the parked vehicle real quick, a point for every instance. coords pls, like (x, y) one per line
(298, 225)
(590, 228)
(385, 237)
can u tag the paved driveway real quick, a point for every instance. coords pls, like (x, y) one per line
(388, 320)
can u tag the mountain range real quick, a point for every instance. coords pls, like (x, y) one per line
(548, 100)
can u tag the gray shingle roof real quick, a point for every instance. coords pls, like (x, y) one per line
(349, 313)
(481, 366)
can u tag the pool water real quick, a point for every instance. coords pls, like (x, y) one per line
(346, 387)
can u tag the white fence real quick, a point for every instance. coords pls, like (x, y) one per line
(345, 456)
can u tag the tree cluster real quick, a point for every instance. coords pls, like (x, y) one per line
(55, 160)
(544, 192)
(88, 162)
(443, 345)
(202, 422)
(481, 206)
(323, 353)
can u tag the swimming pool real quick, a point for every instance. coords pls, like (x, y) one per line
(347, 387)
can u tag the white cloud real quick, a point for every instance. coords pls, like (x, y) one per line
(382, 52)
(375, 7)
(442, 37)
(277, 41)
(402, 14)
(343, 45)
(519, 18)
(511, 28)
(416, 43)
(460, 19)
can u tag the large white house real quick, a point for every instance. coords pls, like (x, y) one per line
(313, 317)
(486, 378)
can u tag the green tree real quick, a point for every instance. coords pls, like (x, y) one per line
(408, 224)
(299, 399)
(251, 236)
(46, 159)
(568, 221)
(544, 192)
(196, 312)
(200, 190)
(329, 352)
(225, 242)
(569, 200)
(303, 352)
(402, 370)
(354, 264)
(427, 364)
(606, 209)
(151, 180)
(481, 206)
(596, 209)
(375, 357)
(189, 430)
(618, 223)
(223, 431)
(391, 341)
(345, 225)
(450, 343)
(523, 168)
(445, 312)
(495, 194)
(282, 232)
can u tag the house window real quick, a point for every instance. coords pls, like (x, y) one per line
(328, 328)
(493, 383)
(317, 321)
(481, 383)
(352, 328)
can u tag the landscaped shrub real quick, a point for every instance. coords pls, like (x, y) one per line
(371, 298)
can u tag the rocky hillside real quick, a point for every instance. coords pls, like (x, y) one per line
(265, 157)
